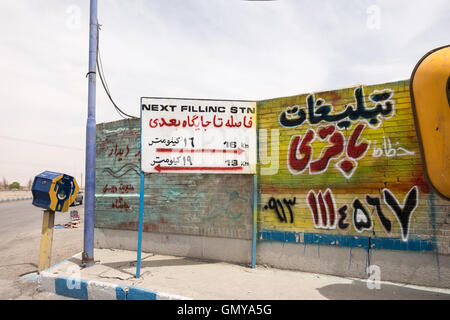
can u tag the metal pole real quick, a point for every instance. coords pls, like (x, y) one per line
(254, 213)
(255, 197)
(88, 251)
(141, 216)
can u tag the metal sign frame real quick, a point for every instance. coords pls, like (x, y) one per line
(142, 182)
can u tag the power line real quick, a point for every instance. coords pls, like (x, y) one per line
(40, 143)
(103, 80)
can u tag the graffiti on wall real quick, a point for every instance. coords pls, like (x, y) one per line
(327, 216)
(122, 188)
(341, 163)
(301, 152)
(121, 153)
(345, 152)
(317, 110)
(120, 204)
(388, 150)
(279, 207)
(123, 170)
(348, 164)
(232, 207)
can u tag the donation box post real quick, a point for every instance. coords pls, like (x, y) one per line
(52, 191)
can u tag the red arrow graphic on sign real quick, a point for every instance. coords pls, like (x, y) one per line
(159, 168)
(237, 151)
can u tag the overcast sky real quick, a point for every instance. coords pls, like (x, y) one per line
(224, 49)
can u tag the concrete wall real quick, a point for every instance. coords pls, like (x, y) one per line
(202, 247)
(344, 179)
(411, 267)
(341, 187)
(188, 204)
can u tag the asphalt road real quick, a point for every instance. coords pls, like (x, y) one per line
(20, 234)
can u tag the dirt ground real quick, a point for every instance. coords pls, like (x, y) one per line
(20, 234)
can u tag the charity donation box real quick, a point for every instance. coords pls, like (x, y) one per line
(54, 191)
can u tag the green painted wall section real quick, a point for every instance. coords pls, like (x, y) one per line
(191, 204)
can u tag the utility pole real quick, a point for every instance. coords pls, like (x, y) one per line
(88, 249)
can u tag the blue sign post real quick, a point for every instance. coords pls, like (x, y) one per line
(141, 216)
(230, 143)
(141, 205)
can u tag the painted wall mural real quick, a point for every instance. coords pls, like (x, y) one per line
(349, 170)
(340, 167)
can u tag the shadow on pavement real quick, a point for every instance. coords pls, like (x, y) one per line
(358, 290)
(154, 263)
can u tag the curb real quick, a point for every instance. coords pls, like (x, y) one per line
(15, 199)
(81, 289)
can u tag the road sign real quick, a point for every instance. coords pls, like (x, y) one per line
(198, 136)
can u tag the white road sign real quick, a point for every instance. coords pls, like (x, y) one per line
(198, 136)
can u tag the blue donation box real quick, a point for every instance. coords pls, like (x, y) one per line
(54, 191)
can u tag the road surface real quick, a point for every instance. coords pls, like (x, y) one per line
(20, 234)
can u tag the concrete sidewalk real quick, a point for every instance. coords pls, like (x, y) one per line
(168, 277)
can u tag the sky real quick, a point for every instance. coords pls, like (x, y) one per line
(211, 49)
